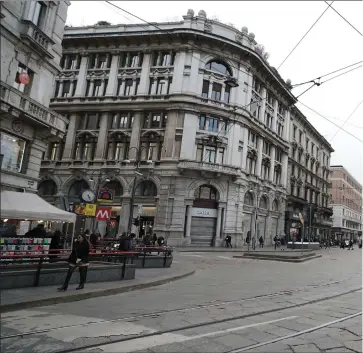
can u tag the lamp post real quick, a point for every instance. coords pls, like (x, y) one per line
(137, 173)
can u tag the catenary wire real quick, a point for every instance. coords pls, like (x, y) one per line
(154, 25)
(355, 109)
(330, 73)
(332, 78)
(343, 17)
(357, 138)
(313, 25)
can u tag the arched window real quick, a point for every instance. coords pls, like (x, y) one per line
(114, 185)
(146, 188)
(214, 86)
(248, 200)
(275, 206)
(76, 189)
(47, 188)
(206, 192)
(263, 202)
(219, 67)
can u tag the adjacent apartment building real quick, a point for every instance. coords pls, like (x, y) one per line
(31, 36)
(194, 108)
(346, 202)
(308, 181)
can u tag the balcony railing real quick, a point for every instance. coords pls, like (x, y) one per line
(31, 32)
(23, 104)
(209, 167)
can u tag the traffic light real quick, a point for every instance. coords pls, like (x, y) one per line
(136, 222)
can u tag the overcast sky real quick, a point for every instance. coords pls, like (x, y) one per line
(278, 25)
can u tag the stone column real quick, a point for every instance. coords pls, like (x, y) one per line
(82, 74)
(189, 221)
(274, 123)
(210, 89)
(135, 135)
(263, 104)
(272, 165)
(284, 174)
(70, 137)
(71, 88)
(249, 79)
(223, 91)
(60, 90)
(219, 222)
(91, 86)
(245, 148)
(124, 215)
(287, 126)
(259, 157)
(102, 137)
(169, 138)
(112, 78)
(145, 72)
(178, 72)
(102, 88)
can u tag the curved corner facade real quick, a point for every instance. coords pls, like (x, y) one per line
(197, 104)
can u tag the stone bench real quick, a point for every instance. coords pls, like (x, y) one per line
(54, 274)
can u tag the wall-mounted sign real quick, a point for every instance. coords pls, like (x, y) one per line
(103, 213)
(105, 195)
(17, 126)
(204, 212)
(85, 209)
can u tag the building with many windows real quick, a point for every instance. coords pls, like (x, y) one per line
(347, 204)
(31, 36)
(308, 181)
(193, 108)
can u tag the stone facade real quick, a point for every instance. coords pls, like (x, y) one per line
(308, 180)
(31, 36)
(212, 158)
(346, 202)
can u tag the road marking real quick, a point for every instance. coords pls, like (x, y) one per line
(227, 257)
(168, 338)
(294, 334)
(193, 255)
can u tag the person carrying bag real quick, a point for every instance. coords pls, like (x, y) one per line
(78, 258)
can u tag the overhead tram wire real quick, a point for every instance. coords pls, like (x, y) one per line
(313, 25)
(357, 138)
(330, 5)
(330, 73)
(346, 120)
(332, 78)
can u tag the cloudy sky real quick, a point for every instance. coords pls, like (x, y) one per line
(331, 45)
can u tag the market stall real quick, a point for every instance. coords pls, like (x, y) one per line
(18, 210)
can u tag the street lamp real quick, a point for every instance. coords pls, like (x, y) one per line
(137, 173)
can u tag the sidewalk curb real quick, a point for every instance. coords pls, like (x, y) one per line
(99, 293)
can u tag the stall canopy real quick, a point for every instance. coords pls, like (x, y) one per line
(19, 205)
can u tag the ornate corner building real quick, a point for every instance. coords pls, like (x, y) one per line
(31, 36)
(197, 105)
(347, 204)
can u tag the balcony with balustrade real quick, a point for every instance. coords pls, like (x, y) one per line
(17, 104)
(212, 168)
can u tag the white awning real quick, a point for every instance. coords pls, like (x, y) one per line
(23, 205)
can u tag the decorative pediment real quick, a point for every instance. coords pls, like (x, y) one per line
(127, 72)
(294, 144)
(96, 74)
(87, 134)
(293, 178)
(278, 167)
(211, 139)
(152, 134)
(157, 71)
(119, 134)
(266, 161)
(252, 153)
(313, 159)
(66, 76)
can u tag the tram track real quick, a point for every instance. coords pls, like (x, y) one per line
(178, 310)
(208, 323)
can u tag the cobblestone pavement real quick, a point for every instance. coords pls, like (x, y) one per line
(229, 305)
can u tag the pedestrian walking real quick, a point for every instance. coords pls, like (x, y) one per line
(254, 243)
(261, 241)
(228, 241)
(78, 258)
(277, 241)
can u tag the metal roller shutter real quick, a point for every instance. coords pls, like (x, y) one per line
(203, 230)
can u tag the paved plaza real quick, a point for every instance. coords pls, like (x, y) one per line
(228, 305)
